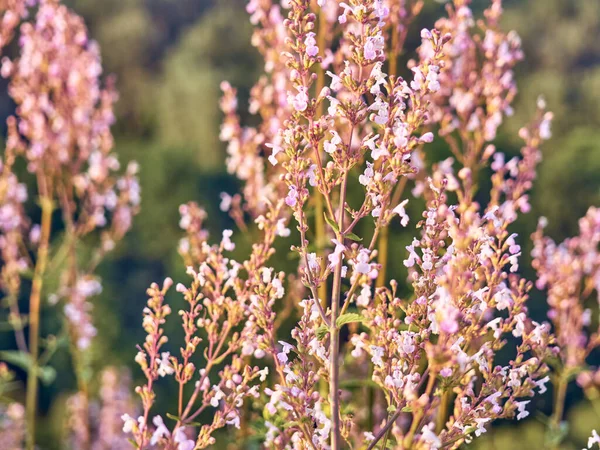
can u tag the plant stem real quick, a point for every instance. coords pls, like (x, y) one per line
(334, 332)
(382, 248)
(34, 318)
(559, 405)
(334, 370)
(443, 412)
(418, 415)
(320, 234)
(385, 429)
(18, 324)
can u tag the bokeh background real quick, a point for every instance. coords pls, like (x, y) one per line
(169, 57)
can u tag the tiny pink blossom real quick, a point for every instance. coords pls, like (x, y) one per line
(402, 212)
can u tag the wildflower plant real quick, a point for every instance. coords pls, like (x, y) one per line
(338, 352)
(71, 181)
(340, 137)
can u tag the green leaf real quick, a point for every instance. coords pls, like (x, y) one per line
(331, 223)
(353, 237)
(6, 326)
(23, 360)
(556, 435)
(177, 418)
(349, 318)
(20, 359)
(543, 418)
(321, 332)
(46, 375)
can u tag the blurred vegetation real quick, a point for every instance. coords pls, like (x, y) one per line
(170, 56)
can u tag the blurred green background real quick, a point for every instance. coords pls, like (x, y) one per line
(169, 57)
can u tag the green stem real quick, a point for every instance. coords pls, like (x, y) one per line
(34, 319)
(334, 331)
(559, 406)
(442, 414)
(382, 248)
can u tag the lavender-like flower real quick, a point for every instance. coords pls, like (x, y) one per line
(61, 129)
(336, 118)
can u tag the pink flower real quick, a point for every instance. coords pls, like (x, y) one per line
(300, 100)
(481, 425)
(312, 175)
(183, 443)
(545, 132)
(336, 82)
(362, 264)
(402, 213)
(378, 152)
(226, 200)
(427, 138)
(366, 177)
(521, 408)
(331, 146)
(313, 261)
(282, 356)
(161, 430)
(430, 438)
(276, 149)
(594, 439)
(292, 198)
(347, 9)
(412, 254)
(446, 372)
(311, 44)
(226, 241)
(337, 255)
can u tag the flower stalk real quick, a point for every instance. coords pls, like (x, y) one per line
(47, 207)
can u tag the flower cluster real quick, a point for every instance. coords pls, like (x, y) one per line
(340, 137)
(229, 311)
(98, 425)
(61, 131)
(570, 273)
(478, 85)
(337, 119)
(11, 14)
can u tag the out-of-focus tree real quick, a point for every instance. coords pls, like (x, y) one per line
(177, 145)
(560, 39)
(216, 48)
